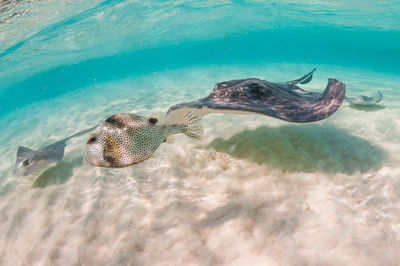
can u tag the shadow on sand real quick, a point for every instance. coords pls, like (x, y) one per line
(306, 148)
(367, 108)
(57, 174)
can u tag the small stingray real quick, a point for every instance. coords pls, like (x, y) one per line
(29, 160)
(285, 101)
(364, 100)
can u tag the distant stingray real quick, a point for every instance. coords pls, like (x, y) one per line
(284, 101)
(29, 160)
(364, 100)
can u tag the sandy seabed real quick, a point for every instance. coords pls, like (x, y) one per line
(253, 191)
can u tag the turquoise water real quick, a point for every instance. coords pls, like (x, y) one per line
(255, 190)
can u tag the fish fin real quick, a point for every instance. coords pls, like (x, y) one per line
(23, 161)
(24, 152)
(160, 116)
(52, 153)
(192, 125)
(304, 79)
(170, 139)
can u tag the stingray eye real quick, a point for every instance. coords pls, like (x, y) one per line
(26, 162)
(92, 139)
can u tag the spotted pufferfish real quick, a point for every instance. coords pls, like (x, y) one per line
(126, 139)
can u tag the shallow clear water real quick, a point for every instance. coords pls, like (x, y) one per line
(255, 190)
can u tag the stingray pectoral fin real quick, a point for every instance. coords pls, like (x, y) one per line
(365, 100)
(24, 152)
(304, 109)
(22, 162)
(331, 99)
(52, 153)
(304, 79)
(55, 152)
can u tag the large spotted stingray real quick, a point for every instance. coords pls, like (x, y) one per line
(284, 101)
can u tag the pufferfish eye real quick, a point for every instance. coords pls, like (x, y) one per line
(153, 120)
(26, 162)
(92, 139)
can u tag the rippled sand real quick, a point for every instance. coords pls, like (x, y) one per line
(254, 191)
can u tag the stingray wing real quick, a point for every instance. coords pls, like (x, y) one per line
(23, 153)
(304, 79)
(55, 152)
(52, 153)
(262, 97)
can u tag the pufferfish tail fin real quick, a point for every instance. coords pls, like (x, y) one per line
(170, 139)
(192, 125)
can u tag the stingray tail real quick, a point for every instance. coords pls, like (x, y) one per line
(192, 125)
(78, 134)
